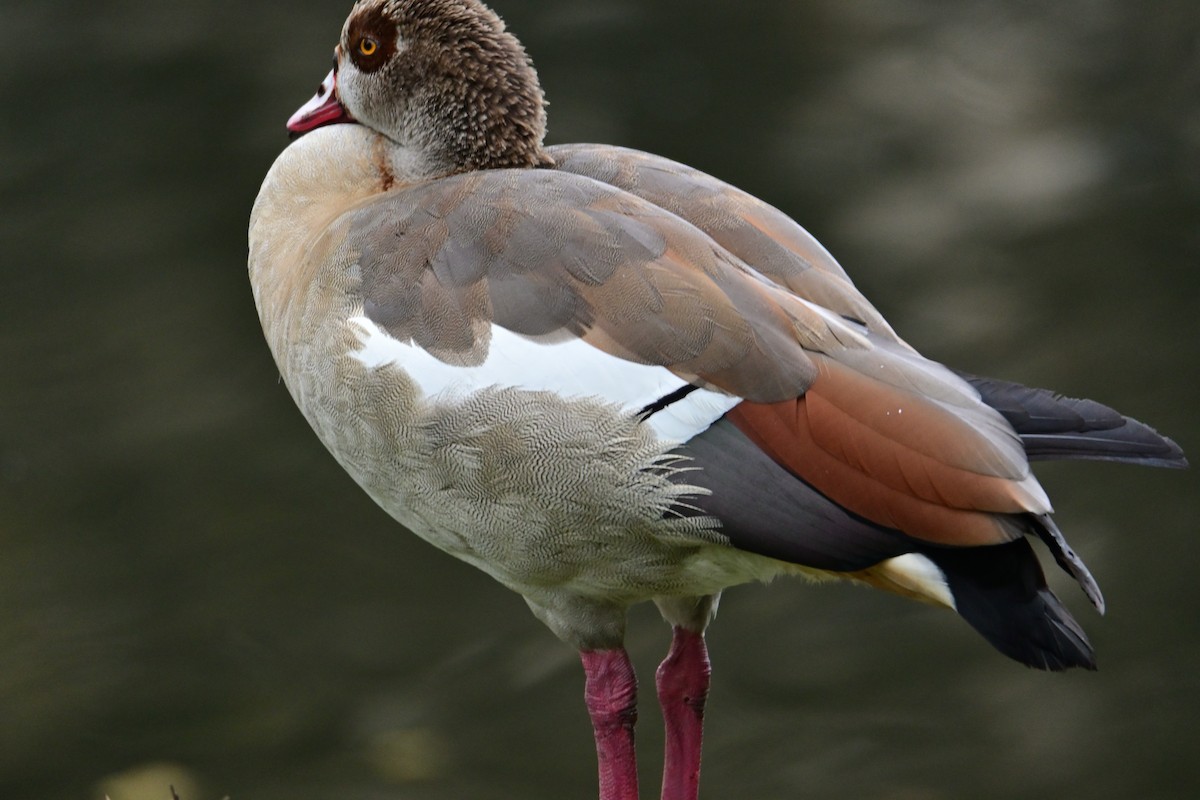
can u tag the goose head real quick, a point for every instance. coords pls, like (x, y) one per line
(441, 78)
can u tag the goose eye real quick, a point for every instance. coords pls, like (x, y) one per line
(367, 46)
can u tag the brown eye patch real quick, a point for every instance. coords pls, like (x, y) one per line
(370, 39)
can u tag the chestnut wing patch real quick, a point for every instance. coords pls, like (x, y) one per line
(942, 470)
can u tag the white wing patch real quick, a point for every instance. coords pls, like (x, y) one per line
(571, 369)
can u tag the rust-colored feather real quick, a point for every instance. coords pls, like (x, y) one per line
(892, 456)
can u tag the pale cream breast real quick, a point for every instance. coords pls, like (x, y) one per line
(315, 180)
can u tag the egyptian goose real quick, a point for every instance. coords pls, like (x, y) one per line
(603, 378)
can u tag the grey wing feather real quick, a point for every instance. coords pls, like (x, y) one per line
(546, 253)
(759, 234)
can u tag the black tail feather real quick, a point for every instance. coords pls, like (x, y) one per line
(1068, 559)
(1001, 591)
(1054, 426)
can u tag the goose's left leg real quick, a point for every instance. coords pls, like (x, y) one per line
(682, 681)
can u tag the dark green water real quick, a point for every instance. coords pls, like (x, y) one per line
(188, 580)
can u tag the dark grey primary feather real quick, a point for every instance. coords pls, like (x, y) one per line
(1066, 557)
(1056, 427)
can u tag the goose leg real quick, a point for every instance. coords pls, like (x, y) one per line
(682, 680)
(611, 695)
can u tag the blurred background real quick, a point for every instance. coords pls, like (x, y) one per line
(193, 593)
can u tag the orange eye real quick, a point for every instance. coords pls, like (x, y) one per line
(367, 46)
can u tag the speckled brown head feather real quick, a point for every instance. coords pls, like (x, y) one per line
(444, 77)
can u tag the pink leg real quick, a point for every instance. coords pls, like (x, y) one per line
(611, 694)
(682, 691)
